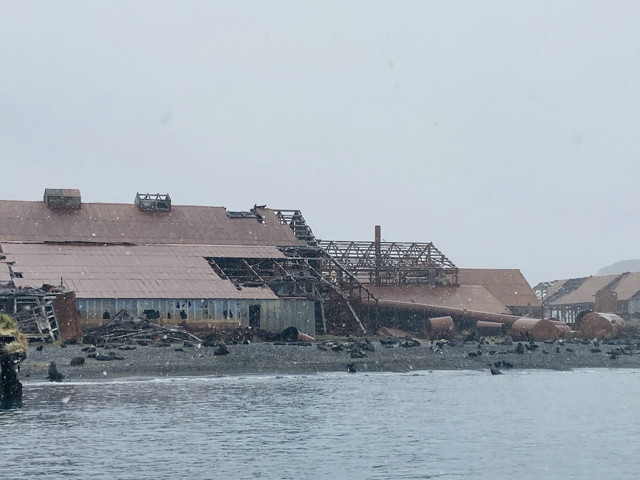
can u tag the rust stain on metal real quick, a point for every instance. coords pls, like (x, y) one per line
(69, 327)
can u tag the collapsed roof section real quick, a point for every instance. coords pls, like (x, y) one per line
(132, 271)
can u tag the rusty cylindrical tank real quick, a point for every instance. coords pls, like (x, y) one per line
(601, 325)
(490, 328)
(439, 328)
(533, 329)
(564, 330)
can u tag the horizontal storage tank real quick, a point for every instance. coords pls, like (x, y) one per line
(439, 328)
(564, 330)
(601, 325)
(491, 328)
(533, 329)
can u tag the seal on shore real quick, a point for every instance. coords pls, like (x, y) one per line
(54, 374)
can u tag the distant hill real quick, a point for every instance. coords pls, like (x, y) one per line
(620, 267)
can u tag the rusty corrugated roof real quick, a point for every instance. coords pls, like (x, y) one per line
(22, 221)
(626, 285)
(144, 271)
(471, 297)
(5, 276)
(508, 285)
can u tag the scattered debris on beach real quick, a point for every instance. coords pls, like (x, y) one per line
(125, 329)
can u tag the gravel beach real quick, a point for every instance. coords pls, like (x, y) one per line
(326, 355)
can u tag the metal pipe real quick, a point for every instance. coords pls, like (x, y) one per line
(452, 311)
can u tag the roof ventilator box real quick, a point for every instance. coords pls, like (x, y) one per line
(153, 202)
(62, 198)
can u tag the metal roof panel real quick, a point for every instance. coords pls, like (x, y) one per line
(124, 223)
(156, 271)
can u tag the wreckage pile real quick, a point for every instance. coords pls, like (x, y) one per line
(125, 329)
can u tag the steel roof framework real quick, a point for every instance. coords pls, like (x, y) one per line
(393, 263)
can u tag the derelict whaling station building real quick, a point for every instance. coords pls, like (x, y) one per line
(208, 267)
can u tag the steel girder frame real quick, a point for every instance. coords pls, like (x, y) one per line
(392, 262)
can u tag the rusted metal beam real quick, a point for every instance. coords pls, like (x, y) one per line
(452, 311)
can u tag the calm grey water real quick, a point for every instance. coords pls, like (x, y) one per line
(527, 424)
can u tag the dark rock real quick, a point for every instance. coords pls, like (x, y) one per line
(494, 370)
(290, 334)
(368, 347)
(351, 367)
(40, 348)
(596, 350)
(520, 348)
(76, 361)
(410, 342)
(221, 350)
(357, 354)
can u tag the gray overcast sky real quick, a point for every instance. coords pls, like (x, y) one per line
(506, 132)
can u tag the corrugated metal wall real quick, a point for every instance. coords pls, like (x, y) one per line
(275, 315)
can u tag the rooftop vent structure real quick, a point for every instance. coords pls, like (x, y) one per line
(67, 198)
(153, 202)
